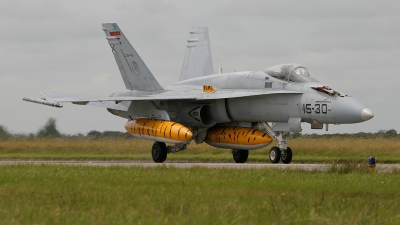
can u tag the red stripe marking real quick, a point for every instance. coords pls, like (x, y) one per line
(115, 33)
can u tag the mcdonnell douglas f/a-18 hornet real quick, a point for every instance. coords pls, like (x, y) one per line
(240, 111)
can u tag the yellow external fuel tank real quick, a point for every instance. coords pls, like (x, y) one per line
(159, 130)
(237, 138)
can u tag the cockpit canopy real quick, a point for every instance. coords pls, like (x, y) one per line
(291, 72)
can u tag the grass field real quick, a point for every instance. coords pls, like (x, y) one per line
(45, 194)
(335, 149)
(135, 195)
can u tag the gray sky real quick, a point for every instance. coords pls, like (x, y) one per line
(352, 46)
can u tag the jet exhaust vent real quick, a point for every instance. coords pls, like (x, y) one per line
(202, 115)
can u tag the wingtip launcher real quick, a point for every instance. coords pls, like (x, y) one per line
(43, 102)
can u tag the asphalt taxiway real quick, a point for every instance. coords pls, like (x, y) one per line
(295, 166)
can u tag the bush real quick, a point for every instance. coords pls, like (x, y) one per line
(391, 133)
(49, 130)
(115, 134)
(4, 132)
(94, 134)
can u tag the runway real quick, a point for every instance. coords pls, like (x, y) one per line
(294, 166)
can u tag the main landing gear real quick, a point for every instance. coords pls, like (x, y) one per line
(159, 151)
(240, 156)
(282, 151)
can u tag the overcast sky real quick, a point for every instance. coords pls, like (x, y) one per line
(352, 46)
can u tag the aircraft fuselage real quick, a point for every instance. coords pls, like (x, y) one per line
(309, 105)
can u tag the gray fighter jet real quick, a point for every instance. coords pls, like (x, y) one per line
(240, 111)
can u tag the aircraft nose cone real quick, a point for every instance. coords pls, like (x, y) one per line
(347, 110)
(366, 114)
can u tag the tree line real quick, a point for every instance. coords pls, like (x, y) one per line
(391, 133)
(49, 130)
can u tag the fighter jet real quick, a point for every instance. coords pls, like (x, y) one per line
(240, 111)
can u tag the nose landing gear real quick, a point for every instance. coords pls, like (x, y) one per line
(282, 152)
(274, 155)
(286, 155)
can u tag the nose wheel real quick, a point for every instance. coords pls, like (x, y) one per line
(286, 155)
(276, 154)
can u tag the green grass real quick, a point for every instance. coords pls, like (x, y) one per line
(47, 194)
(335, 149)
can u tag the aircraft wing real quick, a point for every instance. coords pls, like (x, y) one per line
(82, 100)
(185, 94)
(166, 95)
(61, 97)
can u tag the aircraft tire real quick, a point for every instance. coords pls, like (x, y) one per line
(159, 152)
(240, 156)
(287, 158)
(274, 155)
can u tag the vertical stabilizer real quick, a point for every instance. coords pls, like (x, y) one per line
(198, 60)
(134, 71)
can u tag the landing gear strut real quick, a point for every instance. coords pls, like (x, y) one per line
(282, 151)
(240, 156)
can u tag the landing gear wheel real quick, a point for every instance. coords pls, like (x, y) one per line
(274, 155)
(240, 156)
(159, 152)
(287, 156)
